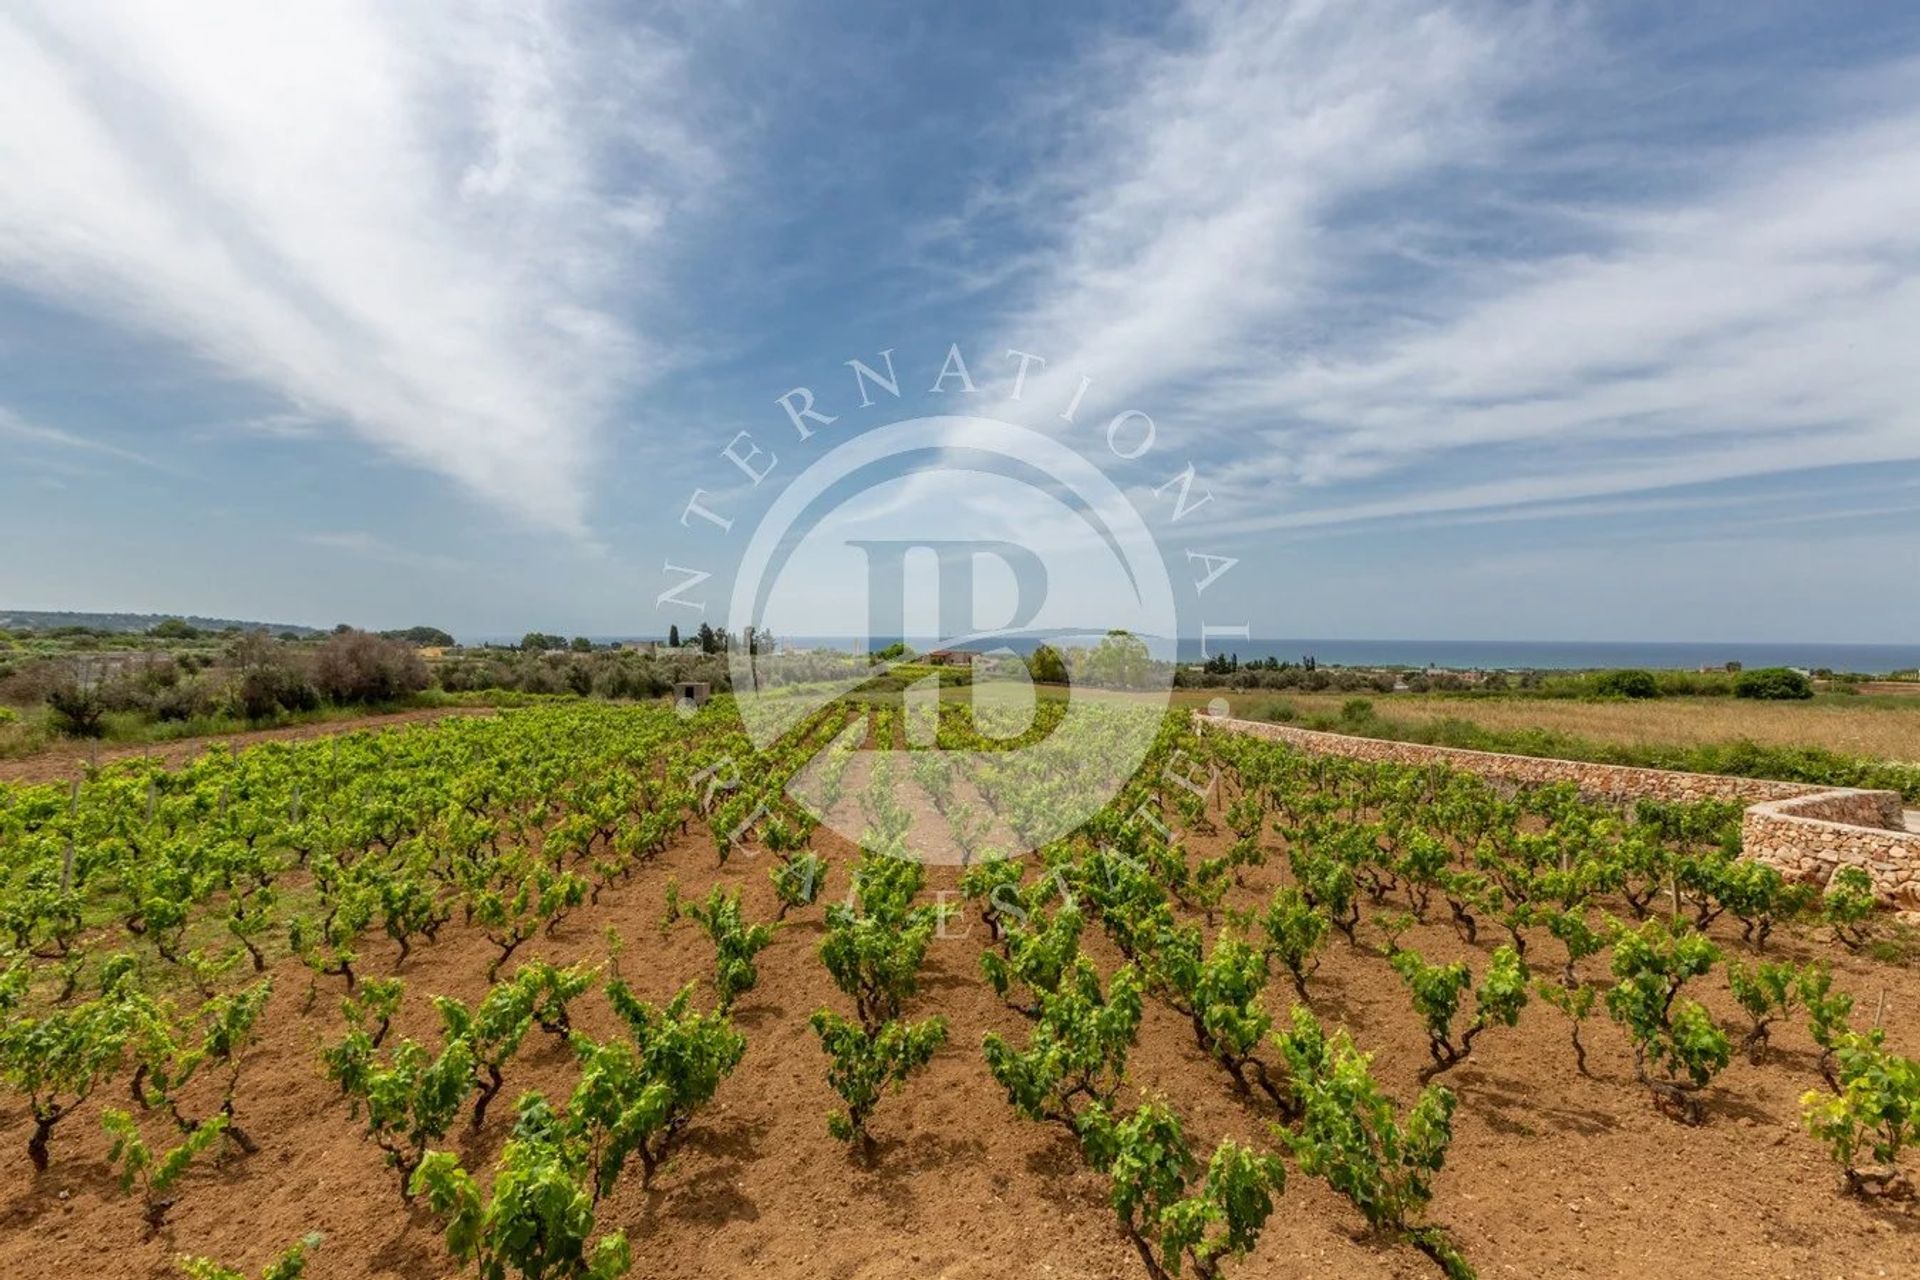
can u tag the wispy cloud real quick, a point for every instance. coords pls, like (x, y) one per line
(1758, 328)
(1192, 214)
(282, 426)
(359, 542)
(428, 223)
(21, 431)
(1341, 246)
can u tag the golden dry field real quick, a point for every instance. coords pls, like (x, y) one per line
(1886, 728)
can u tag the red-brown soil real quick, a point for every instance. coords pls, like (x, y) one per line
(1550, 1174)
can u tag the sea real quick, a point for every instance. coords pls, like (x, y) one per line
(1519, 655)
(1573, 655)
(1458, 655)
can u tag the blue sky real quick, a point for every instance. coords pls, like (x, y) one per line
(1547, 321)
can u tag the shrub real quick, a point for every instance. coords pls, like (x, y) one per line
(187, 700)
(1827, 1014)
(1848, 905)
(1295, 932)
(1765, 993)
(1077, 1052)
(1576, 1001)
(735, 944)
(1626, 684)
(1650, 966)
(290, 1265)
(542, 677)
(1436, 991)
(873, 955)
(1327, 883)
(1221, 996)
(995, 885)
(129, 691)
(266, 690)
(467, 676)
(1774, 683)
(492, 1031)
(639, 1100)
(355, 667)
(516, 895)
(1046, 666)
(271, 678)
(328, 945)
(797, 881)
(550, 990)
(1696, 684)
(1040, 949)
(1875, 1111)
(538, 1221)
(862, 1062)
(1169, 1211)
(1352, 1135)
(156, 1171)
(376, 1002)
(58, 1060)
(1759, 896)
(78, 708)
(433, 636)
(411, 1100)
(228, 1028)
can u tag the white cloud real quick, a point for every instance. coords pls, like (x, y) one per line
(427, 222)
(282, 426)
(1190, 215)
(1330, 246)
(1763, 327)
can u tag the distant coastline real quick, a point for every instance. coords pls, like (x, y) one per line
(1572, 655)
(1502, 655)
(136, 623)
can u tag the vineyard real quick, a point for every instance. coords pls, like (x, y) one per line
(591, 990)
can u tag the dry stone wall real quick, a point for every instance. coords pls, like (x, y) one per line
(1812, 837)
(1806, 831)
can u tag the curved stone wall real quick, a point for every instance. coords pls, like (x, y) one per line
(1811, 837)
(1807, 831)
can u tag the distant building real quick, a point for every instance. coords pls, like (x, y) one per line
(950, 658)
(692, 693)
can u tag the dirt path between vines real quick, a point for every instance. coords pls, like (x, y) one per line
(68, 760)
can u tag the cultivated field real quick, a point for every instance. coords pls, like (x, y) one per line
(1128, 972)
(71, 759)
